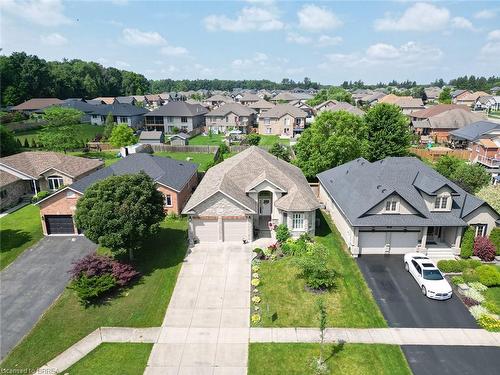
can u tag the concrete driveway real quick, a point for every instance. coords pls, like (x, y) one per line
(400, 299)
(32, 282)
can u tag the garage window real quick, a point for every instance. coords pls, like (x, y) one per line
(298, 221)
(55, 182)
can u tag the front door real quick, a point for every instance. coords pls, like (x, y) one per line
(265, 206)
(433, 234)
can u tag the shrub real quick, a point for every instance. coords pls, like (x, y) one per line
(474, 294)
(492, 307)
(123, 273)
(469, 302)
(259, 252)
(456, 280)
(470, 275)
(489, 322)
(495, 239)
(282, 233)
(89, 288)
(314, 268)
(252, 139)
(294, 247)
(255, 282)
(484, 249)
(478, 311)
(488, 275)
(478, 286)
(467, 243)
(255, 318)
(255, 268)
(256, 299)
(452, 266)
(41, 195)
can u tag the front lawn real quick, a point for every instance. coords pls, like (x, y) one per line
(206, 140)
(86, 132)
(18, 231)
(109, 157)
(112, 358)
(492, 296)
(287, 303)
(346, 359)
(269, 140)
(143, 305)
(202, 159)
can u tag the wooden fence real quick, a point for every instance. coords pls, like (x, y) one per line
(435, 153)
(201, 149)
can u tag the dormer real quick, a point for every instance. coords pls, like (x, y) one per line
(442, 201)
(392, 205)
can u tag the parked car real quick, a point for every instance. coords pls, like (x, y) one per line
(428, 277)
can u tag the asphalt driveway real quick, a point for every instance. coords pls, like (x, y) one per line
(32, 282)
(400, 299)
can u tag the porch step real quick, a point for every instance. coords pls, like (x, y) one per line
(438, 255)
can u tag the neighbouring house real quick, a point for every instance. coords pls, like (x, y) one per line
(371, 99)
(27, 173)
(487, 103)
(458, 94)
(335, 105)
(175, 179)
(248, 99)
(284, 97)
(176, 115)
(261, 106)
(245, 196)
(217, 100)
(151, 137)
(78, 104)
(36, 104)
(432, 93)
(305, 107)
(400, 205)
(106, 99)
(437, 121)
(283, 120)
(462, 138)
(153, 101)
(486, 151)
(469, 99)
(495, 90)
(129, 99)
(122, 113)
(392, 98)
(231, 116)
(410, 105)
(180, 139)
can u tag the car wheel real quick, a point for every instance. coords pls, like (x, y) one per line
(407, 267)
(424, 291)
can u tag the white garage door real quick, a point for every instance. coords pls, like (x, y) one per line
(205, 230)
(371, 242)
(235, 230)
(403, 242)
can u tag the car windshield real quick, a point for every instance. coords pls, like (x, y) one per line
(432, 275)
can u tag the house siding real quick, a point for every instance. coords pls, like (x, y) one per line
(482, 215)
(15, 192)
(277, 126)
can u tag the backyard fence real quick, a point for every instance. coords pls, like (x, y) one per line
(201, 149)
(21, 126)
(435, 153)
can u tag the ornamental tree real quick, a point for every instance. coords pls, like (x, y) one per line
(484, 249)
(120, 212)
(122, 135)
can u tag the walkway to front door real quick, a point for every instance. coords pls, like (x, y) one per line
(206, 327)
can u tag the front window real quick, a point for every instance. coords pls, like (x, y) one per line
(55, 182)
(298, 221)
(268, 130)
(267, 121)
(391, 206)
(168, 200)
(433, 274)
(123, 119)
(184, 119)
(480, 229)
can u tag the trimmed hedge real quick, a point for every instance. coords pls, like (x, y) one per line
(467, 248)
(495, 238)
(455, 266)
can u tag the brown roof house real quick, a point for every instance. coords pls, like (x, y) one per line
(283, 120)
(27, 173)
(36, 104)
(334, 106)
(246, 196)
(231, 116)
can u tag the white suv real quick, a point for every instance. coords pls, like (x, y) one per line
(428, 277)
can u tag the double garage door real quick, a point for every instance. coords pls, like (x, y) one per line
(209, 231)
(397, 242)
(59, 224)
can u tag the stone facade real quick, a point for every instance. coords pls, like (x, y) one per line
(13, 192)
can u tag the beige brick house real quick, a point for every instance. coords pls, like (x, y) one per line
(231, 116)
(283, 120)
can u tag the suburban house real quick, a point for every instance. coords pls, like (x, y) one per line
(176, 115)
(469, 99)
(261, 106)
(175, 179)
(217, 100)
(283, 120)
(106, 99)
(249, 98)
(231, 116)
(284, 97)
(432, 93)
(486, 151)
(400, 205)
(35, 104)
(487, 103)
(392, 98)
(151, 137)
(246, 196)
(27, 173)
(437, 121)
(372, 99)
(78, 104)
(129, 100)
(458, 94)
(462, 138)
(335, 105)
(122, 113)
(410, 105)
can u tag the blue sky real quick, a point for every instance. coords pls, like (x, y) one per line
(326, 41)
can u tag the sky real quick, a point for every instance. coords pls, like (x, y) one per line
(329, 41)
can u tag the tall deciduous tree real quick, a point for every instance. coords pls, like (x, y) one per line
(388, 132)
(334, 138)
(122, 135)
(445, 96)
(120, 212)
(8, 143)
(60, 133)
(280, 151)
(471, 177)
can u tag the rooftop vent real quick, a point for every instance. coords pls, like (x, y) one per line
(384, 190)
(379, 186)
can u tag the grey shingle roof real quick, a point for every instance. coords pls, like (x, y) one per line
(152, 134)
(359, 185)
(127, 99)
(178, 109)
(475, 130)
(119, 109)
(236, 108)
(243, 171)
(280, 110)
(170, 172)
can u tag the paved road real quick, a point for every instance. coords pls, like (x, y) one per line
(32, 282)
(452, 360)
(401, 301)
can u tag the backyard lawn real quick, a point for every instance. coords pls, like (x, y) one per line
(346, 359)
(202, 159)
(111, 359)
(143, 305)
(206, 140)
(269, 140)
(85, 132)
(109, 157)
(287, 303)
(18, 231)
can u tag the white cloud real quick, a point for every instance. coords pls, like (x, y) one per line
(173, 51)
(462, 23)
(418, 17)
(326, 40)
(40, 12)
(315, 18)
(494, 35)
(485, 14)
(320, 41)
(298, 39)
(145, 38)
(54, 39)
(248, 19)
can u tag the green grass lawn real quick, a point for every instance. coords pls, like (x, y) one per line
(112, 359)
(492, 296)
(85, 132)
(109, 157)
(346, 359)
(18, 231)
(286, 302)
(202, 159)
(205, 140)
(269, 140)
(142, 305)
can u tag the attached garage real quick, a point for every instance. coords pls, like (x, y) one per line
(371, 242)
(205, 230)
(59, 224)
(235, 230)
(404, 242)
